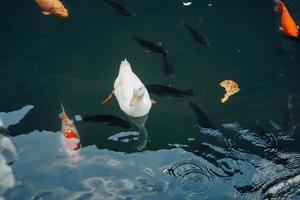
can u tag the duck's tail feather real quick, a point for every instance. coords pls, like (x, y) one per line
(125, 66)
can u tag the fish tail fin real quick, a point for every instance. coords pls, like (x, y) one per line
(189, 92)
(62, 108)
(63, 113)
(279, 6)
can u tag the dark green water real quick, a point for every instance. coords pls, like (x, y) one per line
(45, 60)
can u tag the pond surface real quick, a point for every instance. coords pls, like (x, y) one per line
(192, 146)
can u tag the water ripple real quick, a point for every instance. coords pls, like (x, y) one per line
(193, 176)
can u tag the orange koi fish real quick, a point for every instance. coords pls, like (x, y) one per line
(71, 139)
(288, 25)
(54, 7)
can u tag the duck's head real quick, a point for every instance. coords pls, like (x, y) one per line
(137, 95)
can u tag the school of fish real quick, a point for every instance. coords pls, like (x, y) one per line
(70, 136)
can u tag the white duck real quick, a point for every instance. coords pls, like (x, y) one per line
(132, 95)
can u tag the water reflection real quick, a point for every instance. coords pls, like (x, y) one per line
(8, 150)
(192, 172)
(229, 163)
(214, 171)
(7, 178)
(14, 117)
(143, 134)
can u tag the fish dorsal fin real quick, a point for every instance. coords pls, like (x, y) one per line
(63, 114)
(62, 108)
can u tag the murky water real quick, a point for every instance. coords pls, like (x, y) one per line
(190, 145)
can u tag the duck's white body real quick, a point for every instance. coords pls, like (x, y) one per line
(124, 86)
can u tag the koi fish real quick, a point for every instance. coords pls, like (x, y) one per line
(163, 90)
(197, 35)
(53, 7)
(160, 49)
(153, 47)
(203, 120)
(288, 25)
(120, 8)
(71, 139)
(169, 69)
(288, 125)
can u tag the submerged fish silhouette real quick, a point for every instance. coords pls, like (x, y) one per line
(120, 8)
(203, 120)
(160, 49)
(110, 119)
(168, 65)
(197, 35)
(288, 125)
(163, 90)
(153, 47)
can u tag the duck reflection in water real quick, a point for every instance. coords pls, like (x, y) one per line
(133, 99)
(143, 134)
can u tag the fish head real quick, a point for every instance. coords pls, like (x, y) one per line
(137, 94)
(61, 12)
(291, 30)
(293, 33)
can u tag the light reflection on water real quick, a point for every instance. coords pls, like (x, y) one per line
(224, 170)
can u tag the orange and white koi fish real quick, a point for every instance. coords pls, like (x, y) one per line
(288, 25)
(53, 7)
(71, 139)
